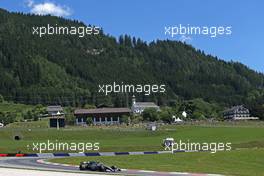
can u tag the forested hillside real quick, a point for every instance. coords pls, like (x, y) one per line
(64, 69)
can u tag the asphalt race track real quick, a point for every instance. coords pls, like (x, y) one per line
(31, 163)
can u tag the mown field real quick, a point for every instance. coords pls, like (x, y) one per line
(246, 157)
(128, 138)
(246, 162)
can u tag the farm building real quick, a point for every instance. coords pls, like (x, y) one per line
(238, 113)
(56, 116)
(57, 122)
(139, 107)
(105, 116)
(53, 110)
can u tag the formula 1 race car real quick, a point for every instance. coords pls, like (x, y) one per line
(97, 166)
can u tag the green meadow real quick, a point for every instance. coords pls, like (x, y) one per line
(246, 162)
(245, 158)
(128, 138)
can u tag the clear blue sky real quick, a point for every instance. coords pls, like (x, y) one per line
(146, 19)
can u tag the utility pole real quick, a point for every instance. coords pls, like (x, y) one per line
(58, 116)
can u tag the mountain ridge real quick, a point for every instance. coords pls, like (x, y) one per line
(64, 68)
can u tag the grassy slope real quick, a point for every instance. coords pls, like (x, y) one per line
(14, 107)
(44, 123)
(243, 162)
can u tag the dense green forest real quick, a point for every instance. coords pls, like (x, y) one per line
(60, 69)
